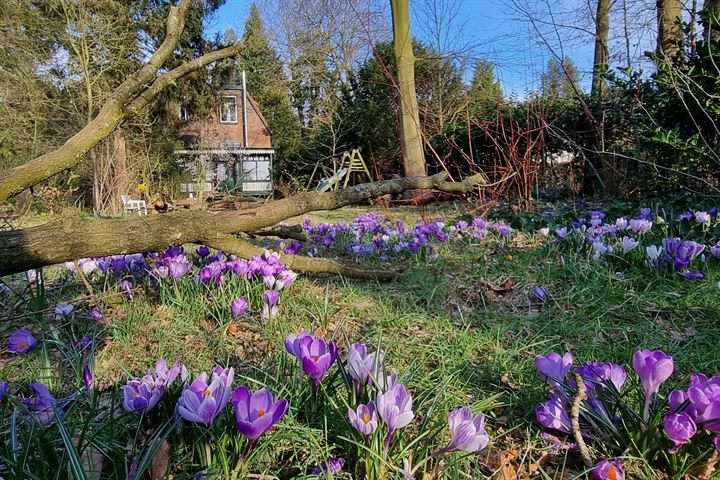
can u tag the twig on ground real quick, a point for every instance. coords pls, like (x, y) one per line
(579, 397)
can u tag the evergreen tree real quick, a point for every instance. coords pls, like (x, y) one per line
(484, 92)
(559, 81)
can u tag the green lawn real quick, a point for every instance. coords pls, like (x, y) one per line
(462, 328)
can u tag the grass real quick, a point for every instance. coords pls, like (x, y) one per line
(463, 327)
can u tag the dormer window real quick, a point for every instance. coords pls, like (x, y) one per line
(228, 109)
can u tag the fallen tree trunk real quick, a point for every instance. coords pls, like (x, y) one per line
(67, 239)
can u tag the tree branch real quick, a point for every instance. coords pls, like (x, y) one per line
(294, 232)
(126, 101)
(241, 248)
(580, 396)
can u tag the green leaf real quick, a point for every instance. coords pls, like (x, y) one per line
(74, 457)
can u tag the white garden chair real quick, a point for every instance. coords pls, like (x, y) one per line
(130, 205)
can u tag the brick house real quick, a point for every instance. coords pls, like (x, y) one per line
(232, 146)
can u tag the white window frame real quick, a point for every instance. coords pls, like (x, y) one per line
(182, 112)
(224, 110)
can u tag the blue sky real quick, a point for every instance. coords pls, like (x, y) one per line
(498, 32)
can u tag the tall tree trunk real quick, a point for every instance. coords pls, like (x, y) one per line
(600, 61)
(711, 26)
(410, 137)
(669, 17)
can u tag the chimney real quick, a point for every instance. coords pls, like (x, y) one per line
(244, 111)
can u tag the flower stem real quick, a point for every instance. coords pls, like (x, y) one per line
(242, 459)
(208, 453)
(646, 410)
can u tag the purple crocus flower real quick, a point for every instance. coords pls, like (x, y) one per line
(21, 341)
(87, 377)
(561, 232)
(316, 357)
(3, 390)
(629, 243)
(701, 401)
(361, 364)
(540, 293)
(333, 466)
(364, 419)
(205, 274)
(293, 342)
(40, 404)
(96, 314)
(203, 251)
(64, 310)
(467, 433)
(270, 304)
(177, 269)
(553, 414)
(554, 368)
(285, 279)
(294, 248)
(599, 374)
(679, 427)
(395, 408)
(677, 399)
(696, 275)
(239, 307)
(167, 375)
(685, 253)
(653, 367)
(607, 470)
(256, 413)
(127, 286)
(240, 268)
(704, 397)
(703, 218)
(715, 250)
(206, 396)
(142, 394)
(685, 216)
(640, 226)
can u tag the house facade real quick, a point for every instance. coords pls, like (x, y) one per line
(231, 148)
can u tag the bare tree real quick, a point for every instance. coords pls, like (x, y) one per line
(600, 59)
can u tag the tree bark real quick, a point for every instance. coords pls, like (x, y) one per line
(600, 61)
(669, 17)
(127, 100)
(711, 23)
(410, 138)
(67, 239)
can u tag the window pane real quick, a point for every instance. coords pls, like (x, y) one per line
(263, 170)
(250, 170)
(228, 109)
